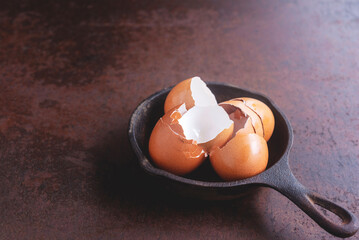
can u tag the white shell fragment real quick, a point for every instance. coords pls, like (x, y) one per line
(201, 94)
(204, 123)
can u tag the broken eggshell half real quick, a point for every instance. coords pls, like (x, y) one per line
(264, 112)
(192, 91)
(235, 108)
(182, 139)
(245, 155)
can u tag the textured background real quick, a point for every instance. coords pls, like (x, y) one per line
(71, 73)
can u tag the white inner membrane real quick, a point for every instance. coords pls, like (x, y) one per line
(204, 123)
(201, 94)
(182, 109)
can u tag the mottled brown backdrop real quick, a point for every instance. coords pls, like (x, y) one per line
(71, 73)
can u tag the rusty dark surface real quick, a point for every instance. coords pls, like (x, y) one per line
(72, 72)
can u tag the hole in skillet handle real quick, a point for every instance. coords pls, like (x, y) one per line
(282, 179)
(203, 183)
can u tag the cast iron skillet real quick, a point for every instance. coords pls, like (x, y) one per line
(205, 184)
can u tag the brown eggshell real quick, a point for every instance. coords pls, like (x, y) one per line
(170, 151)
(264, 113)
(219, 140)
(244, 156)
(181, 93)
(256, 121)
(247, 128)
(171, 118)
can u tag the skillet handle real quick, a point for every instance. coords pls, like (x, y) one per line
(281, 178)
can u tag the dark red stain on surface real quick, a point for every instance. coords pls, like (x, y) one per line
(72, 72)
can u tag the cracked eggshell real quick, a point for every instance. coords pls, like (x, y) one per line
(192, 91)
(170, 150)
(231, 106)
(264, 113)
(181, 93)
(244, 156)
